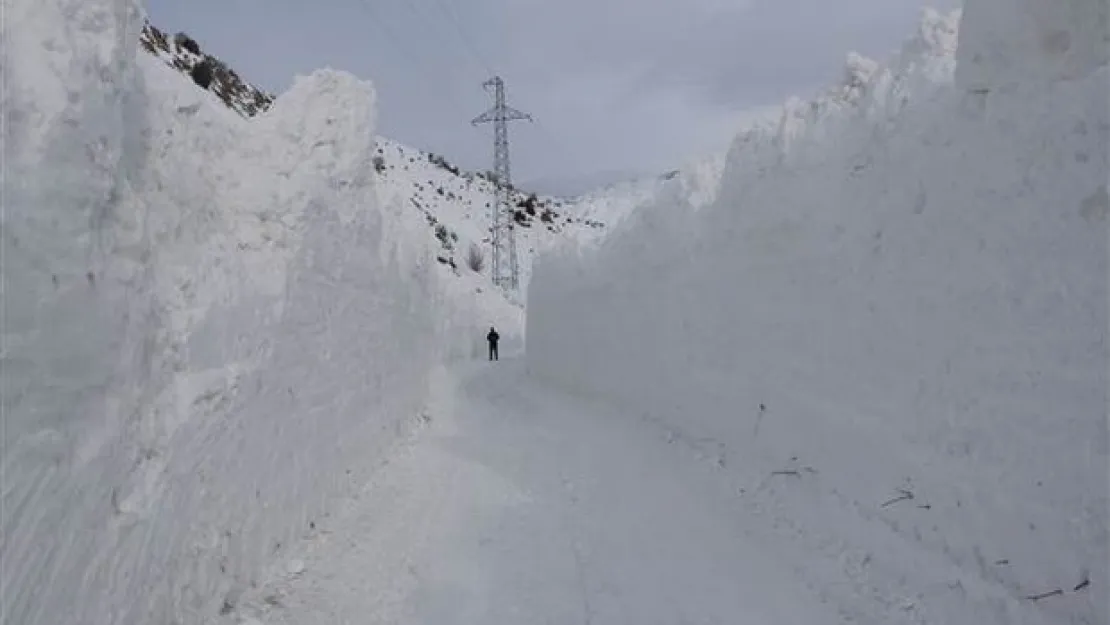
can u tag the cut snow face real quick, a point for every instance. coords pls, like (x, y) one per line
(696, 183)
(892, 322)
(212, 326)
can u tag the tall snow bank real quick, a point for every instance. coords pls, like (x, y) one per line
(210, 326)
(901, 288)
(697, 181)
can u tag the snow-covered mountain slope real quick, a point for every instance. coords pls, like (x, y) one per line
(454, 203)
(457, 207)
(889, 330)
(212, 326)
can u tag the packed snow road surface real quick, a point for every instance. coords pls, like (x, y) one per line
(516, 505)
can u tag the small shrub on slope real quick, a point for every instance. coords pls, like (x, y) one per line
(475, 259)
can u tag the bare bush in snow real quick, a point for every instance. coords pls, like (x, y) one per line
(475, 259)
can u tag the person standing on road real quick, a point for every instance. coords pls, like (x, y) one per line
(492, 339)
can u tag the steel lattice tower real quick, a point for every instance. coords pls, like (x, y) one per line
(502, 232)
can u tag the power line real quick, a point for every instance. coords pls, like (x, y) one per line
(453, 18)
(383, 27)
(402, 47)
(556, 142)
(472, 51)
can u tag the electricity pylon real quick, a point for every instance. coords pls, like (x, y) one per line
(502, 232)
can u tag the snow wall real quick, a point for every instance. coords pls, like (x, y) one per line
(901, 285)
(210, 327)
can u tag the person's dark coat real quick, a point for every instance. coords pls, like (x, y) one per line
(492, 338)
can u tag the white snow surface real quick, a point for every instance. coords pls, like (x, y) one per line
(1004, 42)
(212, 328)
(901, 289)
(696, 182)
(519, 505)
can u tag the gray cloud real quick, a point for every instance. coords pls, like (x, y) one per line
(616, 85)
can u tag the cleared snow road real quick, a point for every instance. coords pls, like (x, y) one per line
(516, 505)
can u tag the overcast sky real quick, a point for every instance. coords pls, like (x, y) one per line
(615, 85)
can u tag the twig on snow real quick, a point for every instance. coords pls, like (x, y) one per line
(1060, 592)
(787, 472)
(904, 496)
(1045, 595)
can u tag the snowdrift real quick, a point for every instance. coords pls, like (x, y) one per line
(211, 327)
(890, 327)
(696, 182)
